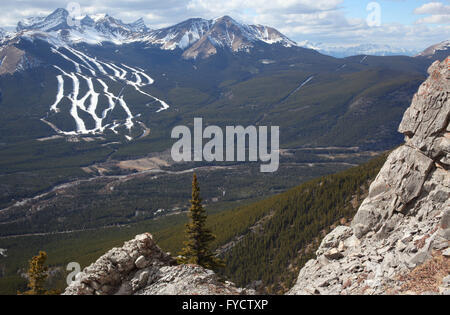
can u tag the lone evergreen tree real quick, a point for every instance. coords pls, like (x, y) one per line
(196, 250)
(37, 275)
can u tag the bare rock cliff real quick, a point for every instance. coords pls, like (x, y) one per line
(140, 267)
(398, 242)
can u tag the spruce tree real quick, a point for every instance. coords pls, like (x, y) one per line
(197, 247)
(37, 275)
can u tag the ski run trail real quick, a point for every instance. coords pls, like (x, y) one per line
(90, 72)
(302, 85)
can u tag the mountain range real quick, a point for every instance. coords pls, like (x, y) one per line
(197, 37)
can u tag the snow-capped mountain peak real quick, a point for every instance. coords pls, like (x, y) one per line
(346, 50)
(55, 21)
(3, 33)
(201, 38)
(93, 29)
(139, 26)
(196, 37)
(226, 27)
(109, 24)
(98, 17)
(181, 35)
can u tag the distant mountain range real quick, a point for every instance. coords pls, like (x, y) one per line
(342, 51)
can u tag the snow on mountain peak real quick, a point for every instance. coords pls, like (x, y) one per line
(98, 17)
(93, 29)
(201, 38)
(346, 50)
(251, 33)
(58, 20)
(139, 26)
(197, 37)
(181, 35)
(54, 21)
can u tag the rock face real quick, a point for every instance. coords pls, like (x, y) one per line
(405, 220)
(141, 268)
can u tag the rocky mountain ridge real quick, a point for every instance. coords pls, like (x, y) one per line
(197, 37)
(402, 229)
(13, 59)
(140, 267)
(58, 21)
(441, 48)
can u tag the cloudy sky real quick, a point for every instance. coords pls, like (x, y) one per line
(410, 24)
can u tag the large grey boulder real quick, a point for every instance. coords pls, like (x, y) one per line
(402, 178)
(426, 122)
(140, 267)
(399, 182)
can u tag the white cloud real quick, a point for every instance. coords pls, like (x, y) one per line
(263, 6)
(433, 8)
(435, 19)
(439, 13)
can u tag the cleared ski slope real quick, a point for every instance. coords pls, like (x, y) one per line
(94, 73)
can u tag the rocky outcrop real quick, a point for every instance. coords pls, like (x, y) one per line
(140, 267)
(13, 59)
(437, 51)
(405, 220)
